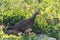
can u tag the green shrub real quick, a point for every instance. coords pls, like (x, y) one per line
(14, 11)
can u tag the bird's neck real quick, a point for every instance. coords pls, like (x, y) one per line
(33, 18)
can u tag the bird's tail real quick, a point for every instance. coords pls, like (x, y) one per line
(10, 27)
(5, 29)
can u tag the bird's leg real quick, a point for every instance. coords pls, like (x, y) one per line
(20, 33)
(29, 31)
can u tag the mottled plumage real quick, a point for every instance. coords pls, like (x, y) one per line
(23, 25)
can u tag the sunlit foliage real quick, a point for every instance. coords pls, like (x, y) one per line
(48, 21)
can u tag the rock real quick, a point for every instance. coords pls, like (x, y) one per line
(50, 38)
(44, 37)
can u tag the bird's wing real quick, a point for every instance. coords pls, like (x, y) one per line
(21, 23)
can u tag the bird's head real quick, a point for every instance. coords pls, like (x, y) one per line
(37, 12)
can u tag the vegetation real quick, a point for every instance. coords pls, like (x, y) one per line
(48, 21)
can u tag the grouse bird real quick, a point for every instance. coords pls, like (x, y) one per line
(25, 24)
